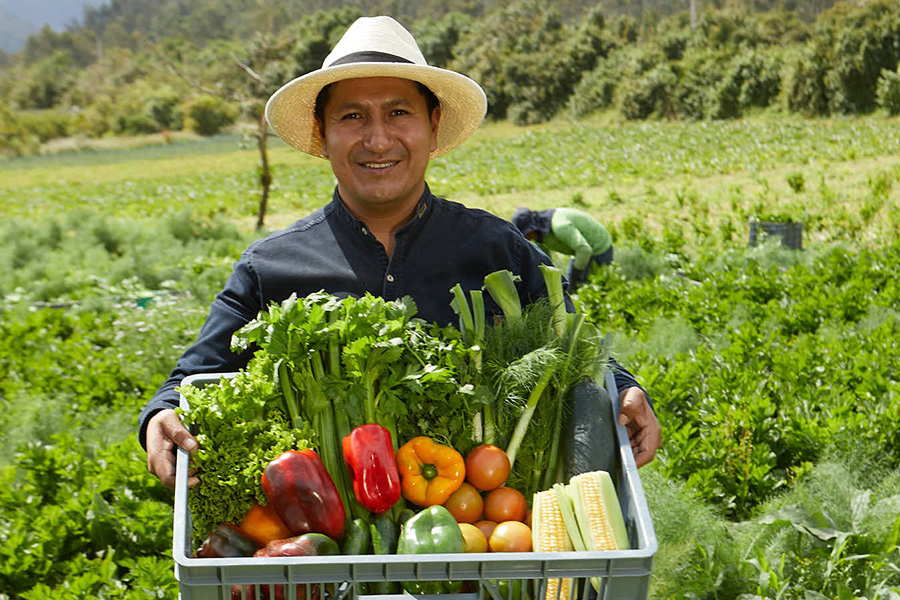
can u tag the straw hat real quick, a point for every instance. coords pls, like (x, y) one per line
(376, 47)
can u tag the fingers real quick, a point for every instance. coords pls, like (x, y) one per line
(645, 444)
(631, 401)
(643, 428)
(165, 432)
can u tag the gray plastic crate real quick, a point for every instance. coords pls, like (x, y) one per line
(621, 574)
(791, 233)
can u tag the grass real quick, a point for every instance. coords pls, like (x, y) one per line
(706, 178)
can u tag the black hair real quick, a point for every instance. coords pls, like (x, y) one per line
(431, 101)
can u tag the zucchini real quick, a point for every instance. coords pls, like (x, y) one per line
(590, 437)
(357, 538)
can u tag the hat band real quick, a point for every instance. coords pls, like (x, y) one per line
(369, 56)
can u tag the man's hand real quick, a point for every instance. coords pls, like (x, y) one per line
(640, 421)
(164, 432)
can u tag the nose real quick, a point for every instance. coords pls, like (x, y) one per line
(377, 138)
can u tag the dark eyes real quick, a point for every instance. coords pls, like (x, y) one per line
(397, 112)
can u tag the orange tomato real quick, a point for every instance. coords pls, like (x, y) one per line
(505, 504)
(487, 467)
(474, 538)
(465, 504)
(510, 536)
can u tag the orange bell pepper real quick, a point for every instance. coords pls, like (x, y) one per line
(263, 524)
(429, 472)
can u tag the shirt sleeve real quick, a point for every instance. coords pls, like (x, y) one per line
(624, 379)
(236, 305)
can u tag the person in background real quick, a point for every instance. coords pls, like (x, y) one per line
(378, 113)
(568, 231)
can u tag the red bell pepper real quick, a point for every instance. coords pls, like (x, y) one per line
(303, 494)
(369, 453)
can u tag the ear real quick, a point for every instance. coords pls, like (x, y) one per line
(435, 121)
(320, 129)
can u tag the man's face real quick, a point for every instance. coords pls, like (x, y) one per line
(378, 137)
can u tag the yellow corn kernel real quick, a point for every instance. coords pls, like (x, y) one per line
(599, 514)
(549, 534)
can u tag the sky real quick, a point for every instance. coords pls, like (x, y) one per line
(18, 18)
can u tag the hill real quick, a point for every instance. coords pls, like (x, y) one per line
(21, 18)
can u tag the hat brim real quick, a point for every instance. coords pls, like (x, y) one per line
(290, 110)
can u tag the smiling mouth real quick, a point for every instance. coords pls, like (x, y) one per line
(379, 165)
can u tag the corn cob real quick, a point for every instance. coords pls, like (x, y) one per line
(597, 509)
(584, 515)
(548, 534)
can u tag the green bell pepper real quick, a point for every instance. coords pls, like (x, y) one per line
(431, 531)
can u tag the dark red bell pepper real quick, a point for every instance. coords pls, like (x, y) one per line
(308, 544)
(303, 494)
(227, 541)
(369, 453)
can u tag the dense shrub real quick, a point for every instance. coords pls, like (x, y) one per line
(208, 115)
(804, 85)
(888, 91)
(596, 89)
(45, 83)
(649, 95)
(438, 38)
(528, 60)
(164, 110)
(23, 132)
(47, 124)
(863, 41)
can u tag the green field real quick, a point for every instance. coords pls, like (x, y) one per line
(773, 372)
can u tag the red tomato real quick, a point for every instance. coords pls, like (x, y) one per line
(505, 504)
(511, 536)
(465, 504)
(486, 527)
(487, 467)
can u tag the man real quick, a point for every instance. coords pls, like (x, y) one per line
(377, 112)
(568, 231)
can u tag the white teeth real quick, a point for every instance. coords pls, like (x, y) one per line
(379, 165)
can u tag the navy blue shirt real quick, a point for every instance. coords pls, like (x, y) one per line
(444, 243)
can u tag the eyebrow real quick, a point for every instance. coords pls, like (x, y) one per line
(355, 105)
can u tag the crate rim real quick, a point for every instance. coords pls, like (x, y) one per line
(549, 561)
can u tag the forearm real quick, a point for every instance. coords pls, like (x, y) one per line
(582, 256)
(234, 307)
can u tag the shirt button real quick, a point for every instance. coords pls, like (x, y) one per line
(390, 278)
(365, 231)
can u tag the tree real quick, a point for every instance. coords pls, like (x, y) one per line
(264, 65)
(527, 59)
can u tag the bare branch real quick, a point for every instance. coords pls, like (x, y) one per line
(256, 76)
(196, 83)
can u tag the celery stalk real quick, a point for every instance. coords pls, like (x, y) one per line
(501, 285)
(553, 280)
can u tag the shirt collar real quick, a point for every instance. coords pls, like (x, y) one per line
(424, 208)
